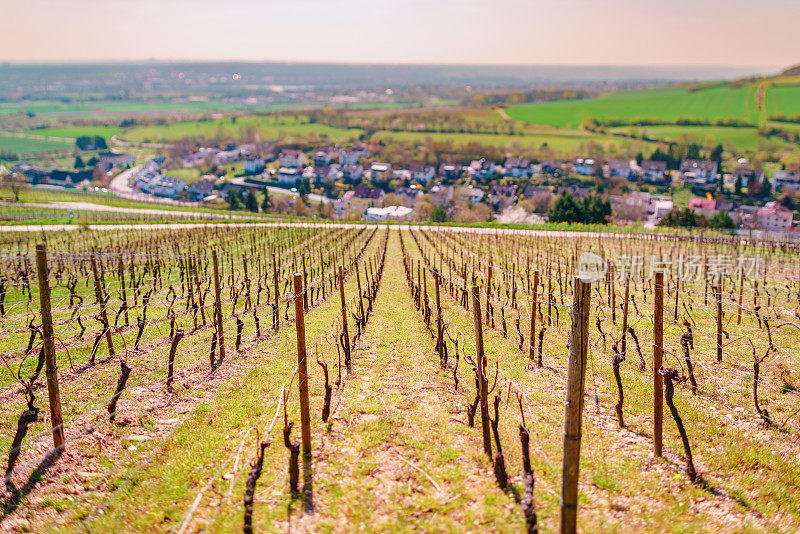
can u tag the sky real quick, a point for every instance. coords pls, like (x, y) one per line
(551, 32)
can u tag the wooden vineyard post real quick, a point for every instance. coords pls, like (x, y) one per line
(53, 392)
(533, 311)
(741, 292)
(573, 413)
(658, 357)
(346, 338)
(122, 284)
(488, 291)
(360, 297)
(623, 344)
(101, 300)
(482, 380)
(302, 371)
(218, 308)
(718, 291)
(439, 329)
(277, 291)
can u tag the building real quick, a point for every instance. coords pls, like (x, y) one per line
(112, 160)
(289, 158)
(352, 173)
(389, 213)
(553, 168)
(584, 166)
(450, 171)
(703, 206)
(226, 157)
(373, 195)
(774, 217)
(289, 175)
(421, 172)
(353, 156)
(516, 167)
(326, 173)
(200, 189)
(660, 207)
(254, 165)
(786, 180)
(621, 168)
(654, 172)
(324, 157)
(746, 176)
(199, 157)
(699, 171)
(410, 195)
(441, 195)
(502, 196)
(381, 172)
(163, 186)
(471, 195)
(482, 169)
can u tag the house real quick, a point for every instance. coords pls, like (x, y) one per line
(584, 166)
(116, 160)
(553, 168)
(774, 217)
(785, 179)
(633, 206)
(254, 165)
(200, 189)
(33, 175)
(410, 195)
(353, 156)
(324, 157)
(199, 157)
(579, 193)
(290, 158)
(698, 171)
(450, 171)
(745, 176)
(352, 173)
(166, 186)
(703, 206)
(471, 195)
(482, 169)
(516, 167)
(533, 190)
(502, 196)
(371, 194)
(389, 213)
(660, 207)
(226, 157)
(620, 168)
(441, 195)
(653, 171)
(289, 175)
(381, 172)
(326, 172)
(60, 179)
(421, 172)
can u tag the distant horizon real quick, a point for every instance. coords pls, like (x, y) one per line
(626, 33)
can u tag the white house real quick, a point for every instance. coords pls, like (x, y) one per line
(785, 179)
(292, 158)
(620, 168)
(254, 165)
(584, 166)
(353, 156)
(324, 157)
(289, 175)
(381, 171)
(516, 167)
(482, 169)
(352, 173)
(653, 171)
(389, 213)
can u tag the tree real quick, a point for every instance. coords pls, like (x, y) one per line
(234, 201)
(683, 217)
(99, 143)
(266, 204)
(565, 209)
(438, 215)
(595, 210)
(251, 202)
(79, 164)
(737, 185)
(721, 220)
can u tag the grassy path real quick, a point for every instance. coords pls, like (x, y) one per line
(399, 456)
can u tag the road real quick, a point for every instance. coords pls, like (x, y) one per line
(90, 206)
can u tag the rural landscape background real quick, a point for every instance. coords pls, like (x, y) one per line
(432, 271)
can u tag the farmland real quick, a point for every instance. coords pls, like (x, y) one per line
(22, 145)
(183, 403)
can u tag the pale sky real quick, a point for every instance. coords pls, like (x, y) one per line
(571, 32)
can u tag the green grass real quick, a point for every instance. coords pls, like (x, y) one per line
(267, 127)
(25, 146)
(667, 103)
(121, 108)
(735, 138)
(77, 131)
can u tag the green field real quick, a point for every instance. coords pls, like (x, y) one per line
(118, 108)
(667, 103)
(736, 138)
(78, 131)
(783, 99)
(558, 140)
(24, 146)
(266, 127)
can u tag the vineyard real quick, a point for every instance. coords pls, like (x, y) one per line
(340, 378)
